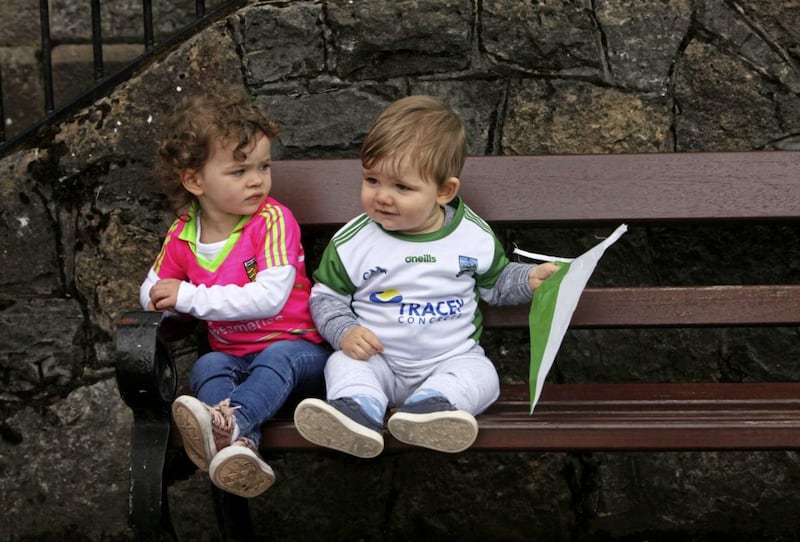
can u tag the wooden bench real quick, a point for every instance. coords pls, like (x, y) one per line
(604, 190)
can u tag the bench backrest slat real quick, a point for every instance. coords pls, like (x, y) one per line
(611, 187)
(692, 306)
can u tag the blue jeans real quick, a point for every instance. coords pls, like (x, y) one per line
(260, 383)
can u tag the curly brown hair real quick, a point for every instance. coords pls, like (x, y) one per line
(199, 121)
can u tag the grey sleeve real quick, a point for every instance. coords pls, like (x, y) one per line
(511, 287)
(332, 318)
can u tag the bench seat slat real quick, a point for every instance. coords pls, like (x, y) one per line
(592, 435)
(655, 436)
(649, 416)
(671, 307)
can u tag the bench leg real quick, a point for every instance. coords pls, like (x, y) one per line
(233, 516)
(149, 507)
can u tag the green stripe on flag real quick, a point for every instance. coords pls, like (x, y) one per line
(543, 308)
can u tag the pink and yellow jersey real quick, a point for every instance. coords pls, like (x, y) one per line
(244, 308)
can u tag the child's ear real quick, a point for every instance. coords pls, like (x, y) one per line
(191, 182)
(448, 190)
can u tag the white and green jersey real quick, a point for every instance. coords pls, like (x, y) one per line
(418, 293)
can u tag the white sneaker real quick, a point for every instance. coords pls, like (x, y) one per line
(445, 431)
(326, 425)
(204, 429)
(238, 469)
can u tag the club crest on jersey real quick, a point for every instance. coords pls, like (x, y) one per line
(467, 264)
(251, 268)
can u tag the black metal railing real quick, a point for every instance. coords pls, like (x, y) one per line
(47, 56)
(2, 113)
(102, 84)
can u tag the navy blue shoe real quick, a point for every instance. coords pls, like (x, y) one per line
(339, 424)
(434, 423)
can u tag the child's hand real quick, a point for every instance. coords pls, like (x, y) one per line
(360, 343)
(164, 294)
(539, 273)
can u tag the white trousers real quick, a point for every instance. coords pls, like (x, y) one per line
(468, 380)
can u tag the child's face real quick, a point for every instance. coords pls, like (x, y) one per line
(396, 196)
(225, 186)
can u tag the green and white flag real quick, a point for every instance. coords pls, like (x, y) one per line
(553, 304)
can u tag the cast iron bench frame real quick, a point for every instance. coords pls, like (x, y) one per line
(542, 190)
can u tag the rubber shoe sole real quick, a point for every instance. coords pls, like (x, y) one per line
(194, 423)
(324, 425)
(449, 431)
(240, 471)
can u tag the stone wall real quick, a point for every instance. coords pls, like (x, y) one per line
(84, 219)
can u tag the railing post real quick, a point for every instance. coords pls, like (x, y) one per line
(97, 41)
(2, 111)
(47, 62)
(147, 6)
(199, 9)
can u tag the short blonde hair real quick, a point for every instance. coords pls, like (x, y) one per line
(422, 129)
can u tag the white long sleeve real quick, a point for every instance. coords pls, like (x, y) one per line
(260, 299)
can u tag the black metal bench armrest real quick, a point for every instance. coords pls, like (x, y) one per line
(146, 374)
(147, 382)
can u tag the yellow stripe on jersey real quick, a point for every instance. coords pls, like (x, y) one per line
(275, 249)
